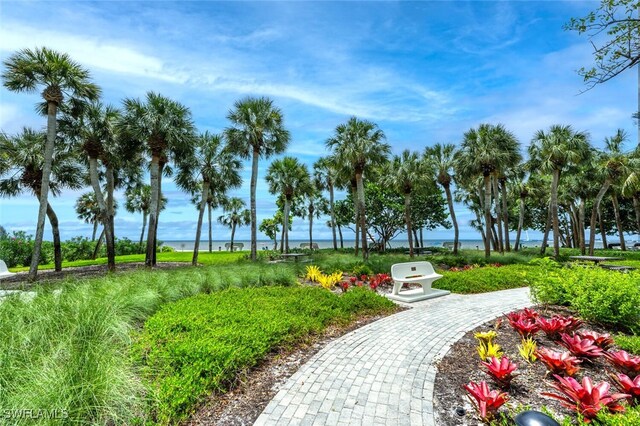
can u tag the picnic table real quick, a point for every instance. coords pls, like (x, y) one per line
(594, 259)
(294, 256)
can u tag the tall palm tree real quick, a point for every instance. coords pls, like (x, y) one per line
(312, 205)
(235, 215)
(481, 155)
(288, 178)
(23, 168)
(405, 173)
(631, 184)
(325, 173)
(359, 143)
(554, 151)
(257, 130)
(214, 171)
(511, 158)
(441, 157)
(26, 71)
(165, 130)
(138, 200)
(88, 211)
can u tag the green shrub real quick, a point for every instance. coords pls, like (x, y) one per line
(17, 248)
(629, 343)
(124, 246)
(361, 269)
(198, 345)
(77, 248)
(481, 280)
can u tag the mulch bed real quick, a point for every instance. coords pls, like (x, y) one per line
(462, 365)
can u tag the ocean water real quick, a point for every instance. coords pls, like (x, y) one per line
(218, 245)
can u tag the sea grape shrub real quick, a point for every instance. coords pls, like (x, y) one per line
(17, 248)
(625, 363)
(486, 401)
(501, 370)
(603, 341)
(557, 325)
(559, 363)
(586, 399)
(585, 348)
(628, 386)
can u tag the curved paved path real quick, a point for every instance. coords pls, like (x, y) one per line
(384, 372)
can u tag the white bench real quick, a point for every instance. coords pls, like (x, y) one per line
(450, 244)
(414, 273)
(4, 271)
(306, 246)
(236, 246)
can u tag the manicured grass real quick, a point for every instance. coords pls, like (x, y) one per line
(205, 258)
(199, 344)
(485, 279)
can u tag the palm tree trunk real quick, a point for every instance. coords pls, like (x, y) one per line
(452, 213)
(333, 217)
(311, 226)
(233, 234)
(254, 227)
(102, 205)
(581, 217)
(603, 229)
(594, 213)
(494, 235)
(421, 240)
(496, 197)
(210, 226)
(96, 249)
(416, 240)
(287, 206)
(407, 219)
(341, 240)
(636, 208)
(203, 204)
(153, 210)
(505, 214)
(520, 223)
(155, 230)
(52, 109)
(547, 228)
(354, 191)
(55, 230)
(616, 212)
(363, 218)
(487, 215)
(554, 212)
(145, 215)
(95, 229)
(111, 238)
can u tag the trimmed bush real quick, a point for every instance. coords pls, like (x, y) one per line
(489, 278)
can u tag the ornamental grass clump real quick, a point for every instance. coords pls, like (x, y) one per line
(586, 399)
(486, 401)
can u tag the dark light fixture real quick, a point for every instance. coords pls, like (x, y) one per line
(534, 418)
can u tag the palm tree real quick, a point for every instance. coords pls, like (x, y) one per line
(312, 205)
(23, 168)
(554, 151)
(164, 129)
(631, 184)
(359, 143)
(288, 178)
(138, 200)
(405, 173)
(325, 173)
(441, 157)
(481, 154)
(235, 215)
(213, 170)
(26, 71)
(257, 130)
(88, 211)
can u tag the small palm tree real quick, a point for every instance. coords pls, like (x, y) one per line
(214, 171)
(441, 158)
(359, 143)
(138, 200)
(325, 173)
(88, 211)
(312, 206)
(26, 71)
(288, 178)
(405, 173)
(554, 151)
(257, 130)
(235, 216)
(165, 130)
(22, 170)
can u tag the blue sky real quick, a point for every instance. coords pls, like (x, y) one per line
(424, 71)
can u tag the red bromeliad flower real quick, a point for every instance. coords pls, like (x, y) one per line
(586, 399)
(556, 325)
(364, 277)
(558, 362)
(353, 280)
(529, 314)
(501, 370)
(522, 324)
(628, 364)
(486, 401)
(631, 387)
(603, 341)
(344, 285)
(578, 346)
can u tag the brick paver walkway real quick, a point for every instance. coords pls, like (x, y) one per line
(384, 372)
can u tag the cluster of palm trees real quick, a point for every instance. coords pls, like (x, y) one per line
(89, 143)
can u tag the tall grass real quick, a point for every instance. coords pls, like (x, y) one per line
(69, 350)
